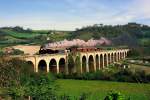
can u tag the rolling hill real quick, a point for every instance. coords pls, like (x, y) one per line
(132, 34)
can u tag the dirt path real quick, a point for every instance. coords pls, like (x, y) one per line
(32, 49)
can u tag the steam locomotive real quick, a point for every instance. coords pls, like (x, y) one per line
(44, 50)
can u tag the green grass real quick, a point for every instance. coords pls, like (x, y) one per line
(99, 89)
(20, 35)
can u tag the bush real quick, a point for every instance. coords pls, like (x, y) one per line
(113, 95)
(122, 75)
(141, 77)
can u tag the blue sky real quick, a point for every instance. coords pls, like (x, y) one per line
(71, 14)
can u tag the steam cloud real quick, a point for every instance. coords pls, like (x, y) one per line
(78, 42)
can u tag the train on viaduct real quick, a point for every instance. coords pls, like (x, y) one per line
(91, 59)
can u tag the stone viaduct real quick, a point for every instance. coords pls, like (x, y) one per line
(89, 61)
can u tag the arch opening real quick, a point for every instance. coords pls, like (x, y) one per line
(105, 60)
(31, 66)
(109, 61)
(91, 63)
(123, 54)
(118, 56)
(115, 57)
(112, 58)
(53, 66)
(97, 62)
(62, 64)
(84, 64)
(101, 61)
(42, 66)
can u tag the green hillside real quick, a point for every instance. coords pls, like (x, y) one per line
(134, 35)
(133, 30)
(18, 35)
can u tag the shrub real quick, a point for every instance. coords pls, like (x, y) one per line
(121, 75)
(124, 76)
(113, 95)
(140, 76)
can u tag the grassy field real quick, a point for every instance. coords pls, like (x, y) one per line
(97, 90)
(20, 35)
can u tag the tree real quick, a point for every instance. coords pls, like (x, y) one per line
(78, 64)
(11, 72)
(21, 82)
(36, 86)
(71, 63)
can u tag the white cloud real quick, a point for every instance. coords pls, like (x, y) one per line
(82, 13)
(141, 8)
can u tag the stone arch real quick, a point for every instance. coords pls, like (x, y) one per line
(91, 63)
(112, 57)
(71, 64)
(97, 62)
(62, 64)
(118, 56)
(109, 61)
(31, 65)
(42, 66)
(101, 61)
(105, 60)
(84, 60)
(126, 53)
(115, 57)
(121, 55)
(53, 66)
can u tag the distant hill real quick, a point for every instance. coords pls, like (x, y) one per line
(131, 34)
(18, 35)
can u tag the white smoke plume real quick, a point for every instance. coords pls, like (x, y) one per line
(78, 42)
